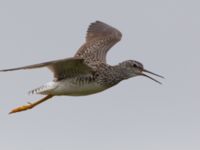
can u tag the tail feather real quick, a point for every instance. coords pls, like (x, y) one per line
(44, 89)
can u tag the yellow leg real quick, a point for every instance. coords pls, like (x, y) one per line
(30, 105)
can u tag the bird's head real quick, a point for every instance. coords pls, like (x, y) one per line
(135, 68)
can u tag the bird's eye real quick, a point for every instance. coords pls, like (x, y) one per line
(134, 65)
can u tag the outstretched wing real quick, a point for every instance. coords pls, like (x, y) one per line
(99, 39)
(62, 68)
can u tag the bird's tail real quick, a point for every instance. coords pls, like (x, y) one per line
(44, 89)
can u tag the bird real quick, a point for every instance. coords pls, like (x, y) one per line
(87, 72)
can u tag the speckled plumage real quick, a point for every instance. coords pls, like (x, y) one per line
(87, 72)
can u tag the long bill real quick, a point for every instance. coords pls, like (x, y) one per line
(147, 71)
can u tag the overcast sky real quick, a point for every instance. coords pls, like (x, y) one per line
(137, 114)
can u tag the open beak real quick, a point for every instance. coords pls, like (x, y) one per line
(147, 71)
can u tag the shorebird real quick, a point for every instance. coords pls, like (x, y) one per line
(87, 72)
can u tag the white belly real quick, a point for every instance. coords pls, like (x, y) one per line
(68, 87)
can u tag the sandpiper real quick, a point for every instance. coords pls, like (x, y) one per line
(87, 72)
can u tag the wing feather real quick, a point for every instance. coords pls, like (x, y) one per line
(99, 39)
(62, 68)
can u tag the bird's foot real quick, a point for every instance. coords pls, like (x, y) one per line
(22, 108)
(31, 105)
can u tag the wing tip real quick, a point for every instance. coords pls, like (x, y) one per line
(5, 70)
(100, 28)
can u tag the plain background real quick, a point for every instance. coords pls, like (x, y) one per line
(136, 114)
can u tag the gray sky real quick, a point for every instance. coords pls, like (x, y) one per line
(137, 113)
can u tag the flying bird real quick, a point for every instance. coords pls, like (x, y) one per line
(87, 72)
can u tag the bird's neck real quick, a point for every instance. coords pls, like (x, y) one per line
(114, 75)
(111, 75)
(121, 72)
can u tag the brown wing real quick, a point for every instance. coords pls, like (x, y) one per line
(62, 68)
(99, 39)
